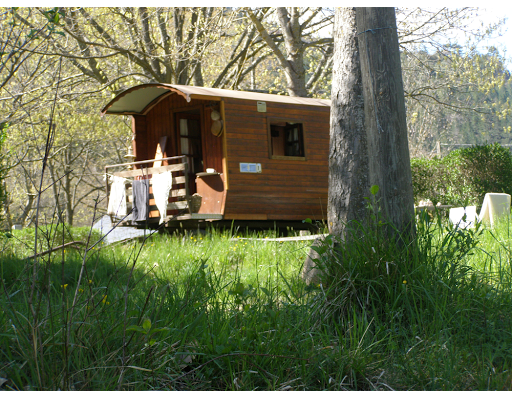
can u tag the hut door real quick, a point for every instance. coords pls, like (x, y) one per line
(189, 143)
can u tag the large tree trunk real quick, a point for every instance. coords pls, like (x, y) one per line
(348, 157)
(385, 121)
(348, 153)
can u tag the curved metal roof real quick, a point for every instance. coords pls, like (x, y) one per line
(137, 99)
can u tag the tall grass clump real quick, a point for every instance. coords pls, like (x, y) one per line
(170, 312)
(437, 320)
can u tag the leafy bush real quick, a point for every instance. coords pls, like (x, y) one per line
(463, 176)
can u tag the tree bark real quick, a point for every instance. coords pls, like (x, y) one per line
(181, 64)
(385, 121)
(293, 62)
(348, 153)
(292, 34)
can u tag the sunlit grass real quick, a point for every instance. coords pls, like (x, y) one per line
(228, 311)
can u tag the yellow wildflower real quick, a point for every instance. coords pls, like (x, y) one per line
(64, 286)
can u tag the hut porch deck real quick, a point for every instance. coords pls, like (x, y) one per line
(180, 194)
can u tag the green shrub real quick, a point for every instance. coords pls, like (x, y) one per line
(463, 176)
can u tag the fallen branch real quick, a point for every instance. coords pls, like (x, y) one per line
(72, 243)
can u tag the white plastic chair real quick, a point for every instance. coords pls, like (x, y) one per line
(457, 216)
(494, 206)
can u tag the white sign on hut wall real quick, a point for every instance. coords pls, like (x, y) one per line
(250, 167)
(262, 106)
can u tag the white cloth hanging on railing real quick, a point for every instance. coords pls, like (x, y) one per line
(162, 185)
(117, 199)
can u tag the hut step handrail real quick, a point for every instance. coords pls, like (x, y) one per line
(183, 158)
(151, 170)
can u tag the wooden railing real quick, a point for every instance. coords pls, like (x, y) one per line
(179, 176)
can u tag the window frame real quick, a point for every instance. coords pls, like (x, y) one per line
(271, 121)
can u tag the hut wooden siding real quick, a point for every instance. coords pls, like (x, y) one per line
(285, 189)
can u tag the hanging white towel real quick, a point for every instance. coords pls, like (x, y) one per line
(117, 199)
(162, 185)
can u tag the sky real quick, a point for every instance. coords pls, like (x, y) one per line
(495, 13)
(489, 15)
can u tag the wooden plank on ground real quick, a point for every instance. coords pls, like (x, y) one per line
(297, 238)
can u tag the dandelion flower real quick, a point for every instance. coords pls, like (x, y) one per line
(405, 281)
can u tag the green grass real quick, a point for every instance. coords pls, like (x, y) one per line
(217, 312)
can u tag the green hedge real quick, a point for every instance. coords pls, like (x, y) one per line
(463, 176)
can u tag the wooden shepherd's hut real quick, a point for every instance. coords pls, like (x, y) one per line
(233, 155)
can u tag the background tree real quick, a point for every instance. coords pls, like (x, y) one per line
(83, 144)
(298, 30)
(457, 97)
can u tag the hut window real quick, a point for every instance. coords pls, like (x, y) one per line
(286, 140)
